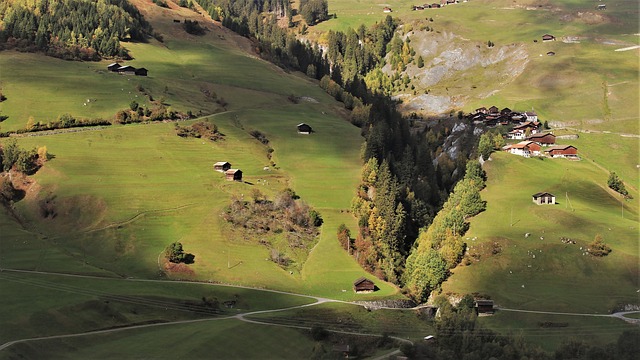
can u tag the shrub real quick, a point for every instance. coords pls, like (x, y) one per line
(617, 185)
(598, 247)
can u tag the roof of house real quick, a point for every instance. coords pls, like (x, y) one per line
(302, 124)
(530, 113)
(484, 302)
(126, 67)
(541, 194)
(521, 145)
(113, 64)
(540, 135)
(361, 280)
(221, 163)
(233, 171)
(560, 147)
(528, 124)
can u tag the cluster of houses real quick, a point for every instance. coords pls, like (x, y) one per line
(436, 5)
(225, 168)
(127, 70)
(493, 116)
(542, 144)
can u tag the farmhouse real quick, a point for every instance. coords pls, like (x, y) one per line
(221, 166)
(484, 307)
(519, 132)
(363, 285)
(548, 37)
(544, 139)
(304, 129)
(562, 151)
(233, 175)
(387, 10)
(601, 7)
(543, 198)
(494, 110)
(523, 148)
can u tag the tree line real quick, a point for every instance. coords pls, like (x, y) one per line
(72, 29)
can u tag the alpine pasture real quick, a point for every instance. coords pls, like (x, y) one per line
(122, 193)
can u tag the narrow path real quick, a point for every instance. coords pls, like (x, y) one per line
(617, 315)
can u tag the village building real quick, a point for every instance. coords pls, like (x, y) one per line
(601, 7)
(521, 131)
(482, 110)
(304, 129)
(363, 285)
(494, 110)
(531, 116)
(523, 148)
(387, 10)
(221, 166)
(484, 307)
(233, 175)
(562, 151)
(543, 198)
(544, 139)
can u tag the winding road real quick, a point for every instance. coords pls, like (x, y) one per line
(243, 316)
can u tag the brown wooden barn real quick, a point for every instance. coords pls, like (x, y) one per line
(141, 72)
(304, 129)
(233, 175)
(363, 285)
(484, 306)
(564, 151)
(221, 166)
(543, 138)
(113, 66)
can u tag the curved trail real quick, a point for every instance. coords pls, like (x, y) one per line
(242, 316)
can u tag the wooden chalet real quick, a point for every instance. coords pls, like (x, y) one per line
(484, 307)
(363, 285)
(505, 112)
(141, 72)
(543, 198)
(482, 110)
(523, 148)
(387, 10)
(519, 132)
(562, 151)
(304, 129)
(601, 7)
(544, 139)
(494, 110)
(233, 175)
(548, 37)
(221, 166)
(113, 67)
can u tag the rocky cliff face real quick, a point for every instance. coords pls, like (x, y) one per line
(455, 71)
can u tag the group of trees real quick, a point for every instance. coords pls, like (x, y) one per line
(175, 253)
(459, 336)
(314, 11)
(616, 184)
(25, 161)
(201, 129)
(76, 29)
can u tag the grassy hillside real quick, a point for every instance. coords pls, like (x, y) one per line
(540, 271)
(586, 84)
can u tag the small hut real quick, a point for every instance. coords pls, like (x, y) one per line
(233, 175)
(363, 285)
(126, 70)
(221, 166)
(113, 66)
(304, 129)
(484, 307)
(542, 198)
(141, 72)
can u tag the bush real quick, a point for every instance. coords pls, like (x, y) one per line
(315, 218)
(598, 247)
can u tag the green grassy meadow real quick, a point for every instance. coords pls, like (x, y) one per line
(540, 272)
(124, 192)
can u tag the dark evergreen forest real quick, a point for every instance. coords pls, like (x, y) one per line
(72, 29)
